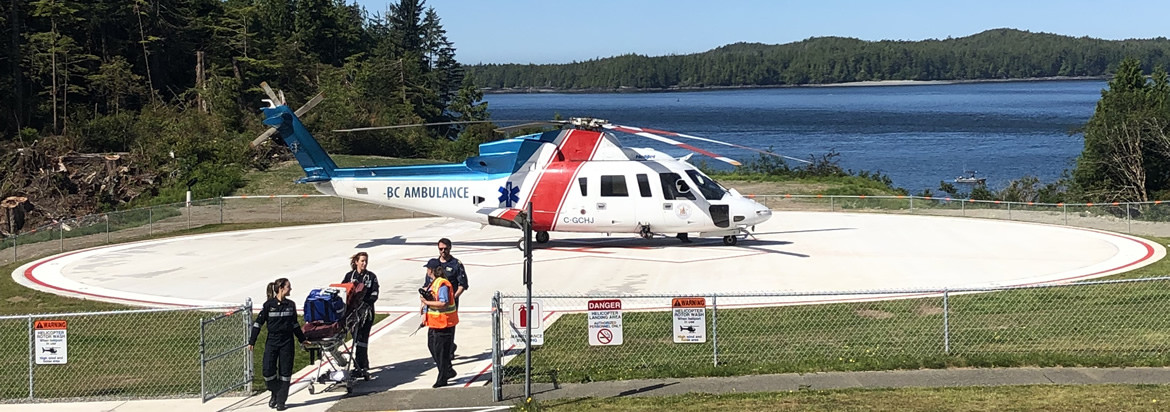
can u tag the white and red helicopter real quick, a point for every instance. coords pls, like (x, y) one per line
(578, 179)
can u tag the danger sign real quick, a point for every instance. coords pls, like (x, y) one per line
(51, 340)
(690, 320)
(605, 322)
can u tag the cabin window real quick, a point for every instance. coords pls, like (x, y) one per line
(709, 187)
(582, 182)
(614, 186)
(644, 185)
(675, 187)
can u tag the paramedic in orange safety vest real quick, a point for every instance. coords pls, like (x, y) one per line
(441, 317)
(361, 332)
(280, 313)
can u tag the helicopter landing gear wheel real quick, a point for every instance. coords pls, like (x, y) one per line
(520, 244)
(542, 236)
(730, 240)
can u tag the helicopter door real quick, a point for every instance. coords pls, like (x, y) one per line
(678, 203)
(614, 206)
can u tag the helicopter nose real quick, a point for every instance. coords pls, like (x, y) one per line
(756, 213)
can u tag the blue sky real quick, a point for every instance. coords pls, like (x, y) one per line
(550, 31)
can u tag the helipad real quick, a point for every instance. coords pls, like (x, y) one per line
(794, 252)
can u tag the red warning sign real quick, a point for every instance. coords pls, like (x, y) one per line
(50, 324)
(688, 302)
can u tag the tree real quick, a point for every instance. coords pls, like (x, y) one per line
(116, 81)
(1126, 139)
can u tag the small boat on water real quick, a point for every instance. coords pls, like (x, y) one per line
(971, 178)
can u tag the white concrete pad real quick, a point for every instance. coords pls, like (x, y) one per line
(795, 252)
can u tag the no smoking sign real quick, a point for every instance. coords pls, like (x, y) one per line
(605, 322)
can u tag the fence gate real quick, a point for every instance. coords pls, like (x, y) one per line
(225, 363)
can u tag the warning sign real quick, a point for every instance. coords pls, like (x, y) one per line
(605, 322)
(521, 317)
(50, 338)
(690, 320)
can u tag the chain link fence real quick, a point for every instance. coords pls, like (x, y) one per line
(1102, 323)
(132, 354)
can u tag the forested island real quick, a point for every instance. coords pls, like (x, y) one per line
(999, 54)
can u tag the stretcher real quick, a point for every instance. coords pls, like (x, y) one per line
(334, 358)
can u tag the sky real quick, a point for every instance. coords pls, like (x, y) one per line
(564, 31)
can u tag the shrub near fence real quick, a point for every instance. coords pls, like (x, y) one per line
(1105, 323)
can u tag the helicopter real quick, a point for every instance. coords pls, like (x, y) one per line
(576, 179)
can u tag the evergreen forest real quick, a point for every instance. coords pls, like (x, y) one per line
(991, 55)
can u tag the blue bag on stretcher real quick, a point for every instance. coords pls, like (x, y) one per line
(324, 305)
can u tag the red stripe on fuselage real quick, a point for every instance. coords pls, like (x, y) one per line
(549, 193)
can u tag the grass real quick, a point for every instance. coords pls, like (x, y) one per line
(1104, 325)
(281, 179)
(973, 399)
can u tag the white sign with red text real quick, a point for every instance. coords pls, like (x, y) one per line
(605, 322)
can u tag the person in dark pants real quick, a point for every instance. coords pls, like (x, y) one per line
(361, 334)
(441, 317)
(280, 313)
(455, 273)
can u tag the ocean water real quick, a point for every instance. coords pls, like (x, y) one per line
(917, 134)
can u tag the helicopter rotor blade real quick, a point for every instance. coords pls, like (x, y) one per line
(509, 129)
(647, 133)
(365, 129)
(703, 139)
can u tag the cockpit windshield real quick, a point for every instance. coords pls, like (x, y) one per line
(711, 189)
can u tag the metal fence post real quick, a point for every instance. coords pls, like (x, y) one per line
(1128, 221)
(32, 351)
(221, 210)
(188, 215)
(497, 389)
(280, 210)
(946, 323)
(1064, 212)
(202, 361)
(15, 247)
(61, 236)
(246, 311)
(107, 228)
(343, 210)
(963, 207)
(150, 221)
(911, 204)
(1009, 210)
(832, 201)
(715, 329)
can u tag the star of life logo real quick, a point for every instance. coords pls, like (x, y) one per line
(509, 195)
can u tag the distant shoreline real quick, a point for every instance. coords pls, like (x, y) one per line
(850, 84)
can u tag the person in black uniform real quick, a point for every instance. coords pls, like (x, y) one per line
(280, 314)
(361, 333)
(455, 273)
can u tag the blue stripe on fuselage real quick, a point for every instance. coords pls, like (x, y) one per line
(451, 171)
(497, 160)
